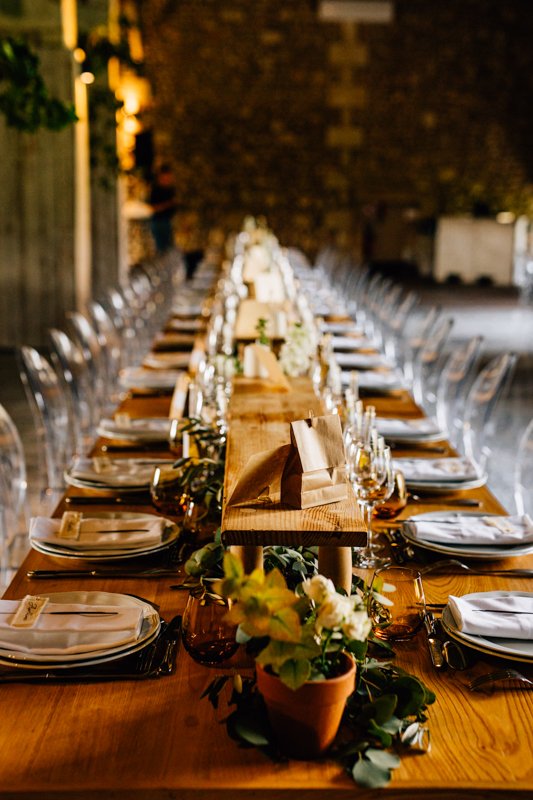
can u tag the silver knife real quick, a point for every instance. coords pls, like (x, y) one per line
(434, 643)
(99, 573)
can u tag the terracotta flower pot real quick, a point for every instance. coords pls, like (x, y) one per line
(306, 721)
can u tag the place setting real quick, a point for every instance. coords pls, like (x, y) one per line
(496, 623)
(145, 380)
(410, 431)
(470, 534)
(135, 430)
(127, 475)
(440, 474)
(84, 635)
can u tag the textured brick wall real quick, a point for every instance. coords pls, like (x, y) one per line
(263, 108)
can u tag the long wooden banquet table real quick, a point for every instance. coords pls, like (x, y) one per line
(157, 740)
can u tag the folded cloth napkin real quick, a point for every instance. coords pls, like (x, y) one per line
(141, 378)
(126, 472)
(392, 379)
(185, 325)
(167, 360)
(95, 533)
(506, 615)
(153, 429)
(351, 343)
(57, 633)
(348, 328)
(452, 470)
(495, 531)
(426, 426)
(362, 360)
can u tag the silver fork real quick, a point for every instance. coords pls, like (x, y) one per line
(511, 675)
(453, 562)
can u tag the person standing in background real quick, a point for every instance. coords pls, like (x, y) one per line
(163, 201)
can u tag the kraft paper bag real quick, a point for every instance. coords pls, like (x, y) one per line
(315, 471)
(310, 471)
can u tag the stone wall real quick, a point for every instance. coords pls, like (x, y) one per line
(264, 108)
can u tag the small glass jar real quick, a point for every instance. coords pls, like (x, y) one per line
(207, 636)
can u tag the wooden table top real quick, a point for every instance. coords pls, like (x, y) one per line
(156, 740)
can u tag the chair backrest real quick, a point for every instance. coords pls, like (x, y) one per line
(87, 339)
(51, 413)
(523, 483)
(453, 385)
(428, 360)
(73, 369)
(481, 404)
(13, 485)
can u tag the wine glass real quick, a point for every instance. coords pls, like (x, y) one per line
(369, 472)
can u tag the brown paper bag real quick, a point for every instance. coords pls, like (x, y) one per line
(314, 473)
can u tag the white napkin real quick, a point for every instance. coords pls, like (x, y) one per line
(425, 426)
(494, 531)
(375, 380)
(508, 616)
(351, 343)
(342, 328)
(167, 360)
(94, 533)
(118, 472)
(362, 360)
(185, 325)
(70, 633)
(140, 378)
(452, 470)
(153, 429)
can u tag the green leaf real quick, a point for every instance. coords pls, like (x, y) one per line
(411, 695)
(384, 738)
(367, 774)
(384, 708)
(358, 649)
(295, 673)
(382, 758)
(248, 727)
(392, 725)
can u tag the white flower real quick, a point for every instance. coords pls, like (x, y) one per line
(357, 626)
(333, 612)
(318, 588)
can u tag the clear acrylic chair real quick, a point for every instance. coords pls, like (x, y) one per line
(93, 352)
(412, 338)
(73, 369)
(428, 361)
(13, 499)
(479, 417)
(523, 479)
(447, 405)
(53, 419)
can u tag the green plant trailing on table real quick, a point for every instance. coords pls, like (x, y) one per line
(299, 635)
(24, 98)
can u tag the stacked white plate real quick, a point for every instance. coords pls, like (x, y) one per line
(142, 429)
(124, 474)
(141, 378)
(90, 628)
(141, 534)
(362, 361)
(424, 429)
(470, 534)
(514, 649)
(375, 381)
(440, 474)
(167, 361)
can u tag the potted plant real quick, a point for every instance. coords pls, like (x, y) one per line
(304, 643)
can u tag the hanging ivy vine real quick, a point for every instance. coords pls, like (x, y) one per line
(25, 100)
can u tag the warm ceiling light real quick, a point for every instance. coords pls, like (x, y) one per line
(79, 55)
(87, 77)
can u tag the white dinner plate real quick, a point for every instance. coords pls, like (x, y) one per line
(135, 474)
(513, 649)
(443, 487)
(140, 429)
(150, 628)
(141, 378)
(465, 551)
(166, 361)
(170, 535)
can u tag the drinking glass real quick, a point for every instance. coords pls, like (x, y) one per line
(401, 620)
(368, 472)
(396, 501)
(207, 636)
(168, 491)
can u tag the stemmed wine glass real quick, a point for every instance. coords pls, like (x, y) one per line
(371, 476)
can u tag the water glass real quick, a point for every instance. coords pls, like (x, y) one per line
(207, 636)
(401, 620)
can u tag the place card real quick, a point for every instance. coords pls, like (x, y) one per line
(70, 527)
(29, 611)
(123, 419)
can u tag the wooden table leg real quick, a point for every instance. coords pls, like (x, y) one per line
(250, 555)
(336, 563)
